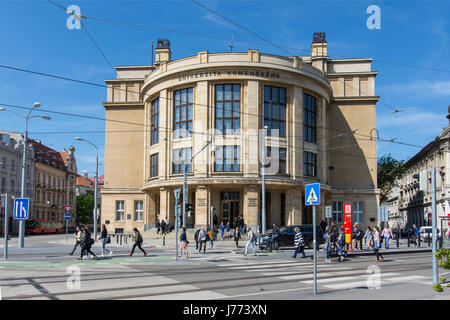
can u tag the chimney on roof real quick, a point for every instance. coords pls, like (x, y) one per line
(162, 51)
(319, 51)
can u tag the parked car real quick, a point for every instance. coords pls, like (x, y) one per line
(426, 232)
(287, 234)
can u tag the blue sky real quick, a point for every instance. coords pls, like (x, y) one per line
(34, 36)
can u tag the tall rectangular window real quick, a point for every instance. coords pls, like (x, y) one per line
(309, 118)
(180, 157)
(183, 109)
(154, 122)
(227, 159)
(154, 165)
(310, 164)
(228, 108)
(13, 165)
(275, 109)
(4, 163)
(120, 210)
(358, 212)
(138, 210)
(337, 211)
(271, 152)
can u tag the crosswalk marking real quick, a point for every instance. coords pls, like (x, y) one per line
(355, 284)
(336, 279)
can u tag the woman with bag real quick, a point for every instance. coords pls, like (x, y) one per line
(183, 242)
(138, 240)
(237, 236)
(377, 243)
(105, 239)
(369, 238)
(211, 239)
(299, 243)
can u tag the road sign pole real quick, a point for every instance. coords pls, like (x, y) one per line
(66, 232)
(434, 223)
(315, 251)
(5, 248)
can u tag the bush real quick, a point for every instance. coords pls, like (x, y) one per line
(438, 287)
(442, 280)
(443, 256)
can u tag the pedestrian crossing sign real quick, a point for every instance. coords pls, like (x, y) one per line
(312, 194)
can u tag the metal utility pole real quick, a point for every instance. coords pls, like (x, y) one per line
(96, 185)
(263, 160)
(434, 224)
(4, 200)
(314, 250)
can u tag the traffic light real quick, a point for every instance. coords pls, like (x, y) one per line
(189, 207)
(422, 185)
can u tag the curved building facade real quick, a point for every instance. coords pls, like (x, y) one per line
(318, 113)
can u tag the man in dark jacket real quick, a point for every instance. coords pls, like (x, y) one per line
(86, 244)
(196, 238)
(163, 227)
(158, 226)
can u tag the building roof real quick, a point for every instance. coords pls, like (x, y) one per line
(83, 181)
(100, 180)
(48, 156)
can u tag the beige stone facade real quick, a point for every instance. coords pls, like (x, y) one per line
(324, 109)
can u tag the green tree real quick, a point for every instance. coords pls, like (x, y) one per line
(85, 209)
(389, 170)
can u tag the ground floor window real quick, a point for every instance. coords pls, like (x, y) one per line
(358, 212)
(120, 212)
(337, 211)
(138, 210)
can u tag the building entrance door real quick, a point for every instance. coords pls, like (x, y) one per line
(229, 207)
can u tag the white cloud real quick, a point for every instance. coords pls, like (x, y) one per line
(420, 88)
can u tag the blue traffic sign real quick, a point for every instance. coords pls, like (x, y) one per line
(312, 194)
(21, 208)
(67, 216)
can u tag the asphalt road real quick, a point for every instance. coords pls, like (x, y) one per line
(216, 275)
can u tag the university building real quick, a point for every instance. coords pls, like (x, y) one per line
(319, 113)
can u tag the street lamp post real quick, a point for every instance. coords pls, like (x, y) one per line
(96, 185)
(263, 174)
(36, 105)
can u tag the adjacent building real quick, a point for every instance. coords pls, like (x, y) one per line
(319, 113)
(406, 204)
(11, 162)
(55, 177)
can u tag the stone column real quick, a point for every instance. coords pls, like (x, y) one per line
(251, 207)
(164, 121)
(166, 204)
(322, 141)
(250, 125)
(295, 126)
(200, 124)
(150, 210)
(294, 206)
(202, 204)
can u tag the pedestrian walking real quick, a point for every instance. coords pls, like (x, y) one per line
(377, 243)
(368, 235)
(202, 237)
(326, 237)
(211, 239)
(197, 232)
(138, 240)
(228, 230)
(251, 239)
(416, 235)
(105, 239)
(387, 234)
(275, 233)
(158, 226)
(323, 225)
(341, 243)
(163, 227)
(222, 230)
(86, 244)
(242, 224)
(237, 236)
(359, 237)
(78, 236)
(183, 242)
(299, 243)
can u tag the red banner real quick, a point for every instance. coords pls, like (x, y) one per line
(348, 219)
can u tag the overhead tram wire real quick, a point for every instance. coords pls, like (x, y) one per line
(87, 32)
(167, 98)
(211, 36)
